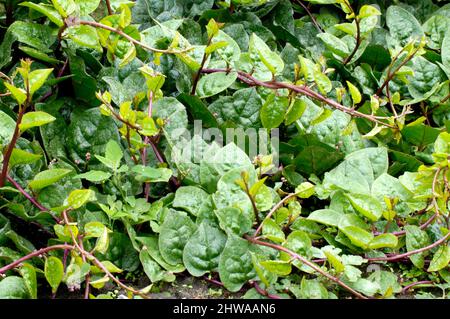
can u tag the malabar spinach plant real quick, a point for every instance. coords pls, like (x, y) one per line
(284, 149)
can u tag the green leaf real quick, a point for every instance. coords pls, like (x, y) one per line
(37, 79)
(354, 92)
(445, 49)
(366, 205)
(114, 153)
(214, 83)
(7, 125)
(420, 135)
(148, 174)
(79, 197)
(85, 36)
(33, 119)
(402, 25)
(279, 267)
(298, 241)
(273, 111)
(28, 273)
(241, 109)
(235, 265)
(326, 217)
(441, 259)
(175, 232)
(87, 6)
(47, 178)
(20, 157)
(358, 236)
(270, 59)
(295, 111)
(20, 95)
(233, 220)
(13, 287)
(272, 231)
(334, 44)
(416, 239)
(54, 272)
(384, 240)
(190, 198)
(46, 10)
(202, 252)
(305, 190)
(94, 176)
(151, 268)
(38, 36)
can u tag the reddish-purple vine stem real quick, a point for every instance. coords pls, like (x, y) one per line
(32, 255)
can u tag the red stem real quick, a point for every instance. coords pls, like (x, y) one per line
(10, 148)
(308, 263)
(264, 292)
(33, 254)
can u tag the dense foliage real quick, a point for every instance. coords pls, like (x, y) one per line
(127, 129)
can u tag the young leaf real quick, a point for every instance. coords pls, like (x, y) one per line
(37, 79)
(441, 258)
(47, 178)
(54, 272)
(79, 197)
(33, 119)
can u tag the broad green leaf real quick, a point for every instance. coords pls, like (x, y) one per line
(37, 79)
(54, 272)
(240, 109)
(33, 119)
(402, 25)
(202, 252)
(79, 197)
(151, 268)
(13, 287)
(334, 44)
(273, 111)
(46, 10)
(85, 36)
(295, 111)
(152, 175)
(298, 241)
(366, 205)
(28, 273)
(20, 95)
(441, 258)
(272, 231)
(94, 176)
(20, 157)
(305, 190)
(278, 267)
(235, 265)
(47, 178)
(270, 59)
(174, 234)
(326, 216)
(445, 49)
(87, 6)
(233, 220)
(114, 153)
(7, 125)
(214, 83)
(354, 92)
(189, 198)
(358, 236)
(416, 239)
(384, 240)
